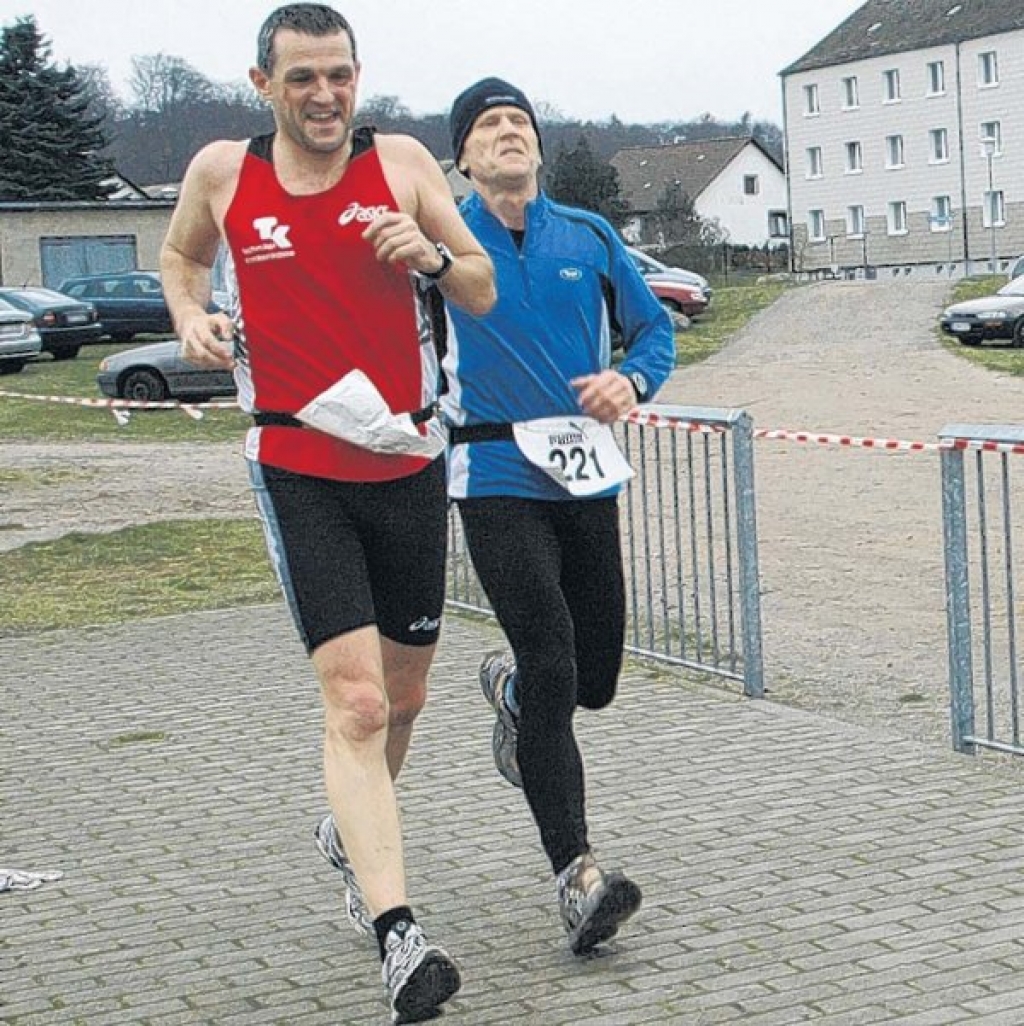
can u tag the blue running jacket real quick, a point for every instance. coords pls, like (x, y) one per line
(557, 298)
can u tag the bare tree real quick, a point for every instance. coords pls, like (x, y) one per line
(160, 83)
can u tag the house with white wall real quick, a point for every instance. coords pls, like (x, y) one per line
(734, 181)
(904, 132)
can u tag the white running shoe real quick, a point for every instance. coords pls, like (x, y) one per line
(419, 976)
(328, 843)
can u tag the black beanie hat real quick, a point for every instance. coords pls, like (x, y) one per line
(472, 102)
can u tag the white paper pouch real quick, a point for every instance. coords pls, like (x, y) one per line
(353, 410)
(579, 453)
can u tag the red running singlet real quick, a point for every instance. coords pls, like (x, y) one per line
(315, 303)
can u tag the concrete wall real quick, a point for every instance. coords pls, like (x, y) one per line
(23, 225)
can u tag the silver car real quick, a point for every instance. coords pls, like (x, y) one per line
(19, 339)
(155, 372)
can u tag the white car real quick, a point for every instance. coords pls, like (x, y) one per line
(19, 339)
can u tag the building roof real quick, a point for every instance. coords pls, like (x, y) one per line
(645, 172)
(882, 27)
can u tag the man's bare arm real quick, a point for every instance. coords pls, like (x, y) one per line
(430, 217)
(189, 251)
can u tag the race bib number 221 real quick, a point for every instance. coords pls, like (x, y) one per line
(579, 453)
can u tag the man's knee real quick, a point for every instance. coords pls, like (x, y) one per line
(406, 702)
(355, 710)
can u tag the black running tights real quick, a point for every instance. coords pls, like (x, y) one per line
(553, 574)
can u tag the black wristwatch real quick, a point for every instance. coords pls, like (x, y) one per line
(446, 263)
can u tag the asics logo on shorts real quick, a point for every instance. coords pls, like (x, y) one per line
(425, 623)
(360, 214)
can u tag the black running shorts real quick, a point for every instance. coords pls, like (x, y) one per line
(351, 553)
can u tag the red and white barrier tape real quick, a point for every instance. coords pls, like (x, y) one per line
(121, 408)
(849, 441)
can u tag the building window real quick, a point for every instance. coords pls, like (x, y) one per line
(850, 93)
(936, 78)
(816, 225)
(811, 105)
(938, 146)
(994, 212)
(855, 221)
(941, 218)
(992, 133)
(898, 218)
(891, 85)
(751, 186)
(894, 151)
(988, 69)
(854, 158)
(778, 224)
(815, 168)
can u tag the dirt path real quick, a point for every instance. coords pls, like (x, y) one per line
(850, 540)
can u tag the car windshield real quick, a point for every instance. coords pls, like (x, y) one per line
(1014, 288)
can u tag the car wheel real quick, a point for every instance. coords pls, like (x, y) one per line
(67, 353)
(144, 386)
(11, 366)
(1018, 333)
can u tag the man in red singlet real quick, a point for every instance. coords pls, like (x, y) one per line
(339, 241)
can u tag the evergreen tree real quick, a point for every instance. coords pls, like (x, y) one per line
(579, 179)
(52, 145)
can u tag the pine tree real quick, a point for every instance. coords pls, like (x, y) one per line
(52, 146)
(578, 179)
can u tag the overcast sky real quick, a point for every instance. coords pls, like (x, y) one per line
(642, 60)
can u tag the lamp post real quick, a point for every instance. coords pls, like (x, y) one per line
(988, 147)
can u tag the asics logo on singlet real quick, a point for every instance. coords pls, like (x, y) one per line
(271, 230)
(360, 214)
(570, 273)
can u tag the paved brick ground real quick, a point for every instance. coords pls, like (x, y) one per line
(795, 869)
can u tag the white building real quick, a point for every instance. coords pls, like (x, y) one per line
(733, 181)
(905, 140)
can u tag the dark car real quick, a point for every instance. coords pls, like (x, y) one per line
(19, 340)
(992, 317)
(64, 324)
(157, 371)
(129, 303)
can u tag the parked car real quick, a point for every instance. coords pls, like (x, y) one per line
(677, 296)
(19, 339)
(651, 268)
(64, 324)
(158, 371)
(129, 303)
(1016, 269)
(992, 317)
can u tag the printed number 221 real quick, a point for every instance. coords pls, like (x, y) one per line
(574, 463)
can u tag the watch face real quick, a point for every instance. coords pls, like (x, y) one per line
(639, 383)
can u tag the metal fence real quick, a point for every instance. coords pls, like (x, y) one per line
(689, 534)
(982, 486)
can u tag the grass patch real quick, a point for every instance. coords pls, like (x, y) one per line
(731, 308)
(32, 420)
(11, 478)
(994, 356)
(136, 573)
